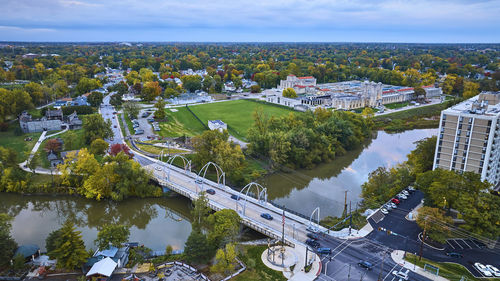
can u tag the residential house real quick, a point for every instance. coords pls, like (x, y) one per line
(74, 122)
(101, 270)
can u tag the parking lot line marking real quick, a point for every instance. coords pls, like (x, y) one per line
(390, 271)
(342, 249)
(474, 243)
(448, 241)
(466, 243)
(456, 241)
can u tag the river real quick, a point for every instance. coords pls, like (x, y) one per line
(156, 222)
(325, 185)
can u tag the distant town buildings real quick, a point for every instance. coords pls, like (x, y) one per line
(217, 125)
(301, 85)
(469, 137)
(52, 121)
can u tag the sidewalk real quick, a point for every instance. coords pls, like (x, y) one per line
(298, 273)
(397, 256)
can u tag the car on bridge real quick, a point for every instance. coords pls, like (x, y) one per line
(313, 236)
(267, 216)
(235, 197)
(210, 191)
(312, 243)
(366, 265)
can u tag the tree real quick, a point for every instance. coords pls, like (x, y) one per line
(53, 145)
(85, 85)
(434, 221)
(367, 112)
(471, 89)
(170, 93)
(34, 162)
(224, 227)
(94, 127)
(98, 147)
(70, 140)
(150, 91)
(160, 110)
(200, 211)
(116, 100)
(191, 82)
(119, 147)
(421, 159)
(289, 93)
(168, 250)
(69, 249)
(147, 75)
(131, 109)
(255, 89)
(7, 244)
(197, 249)
(36, 92)
(95, 99)
(224, 259)
(112, 234)
(420, 93)
(51, 241)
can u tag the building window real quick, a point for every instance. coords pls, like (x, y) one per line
(470, 120)
(438, 155)
(459, 126)
(458, 139)
(463, 166)
(459, 132)
(461, 118)
(456, 145)
(444, 116)
(469, 127)
(455, 158)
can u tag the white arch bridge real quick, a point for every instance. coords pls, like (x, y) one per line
(251, 204)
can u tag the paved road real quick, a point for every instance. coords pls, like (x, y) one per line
(396, 222)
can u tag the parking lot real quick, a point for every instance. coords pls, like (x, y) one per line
(461, 244)
(144, 126)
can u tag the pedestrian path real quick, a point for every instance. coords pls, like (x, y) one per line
(299, 256)
(397, 256)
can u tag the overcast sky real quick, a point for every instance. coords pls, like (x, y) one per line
(433, 21)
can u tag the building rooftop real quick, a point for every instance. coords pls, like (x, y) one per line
(486, 104)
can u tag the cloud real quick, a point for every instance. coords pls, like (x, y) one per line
(22, 29)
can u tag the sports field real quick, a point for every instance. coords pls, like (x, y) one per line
(238, 115)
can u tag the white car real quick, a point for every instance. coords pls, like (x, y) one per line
(405, 193)
(384, 211)
(402, 196)
(388, 206)
(493, 270)
(411, 188)
(394, 206)
(483, 269)
(402, 275)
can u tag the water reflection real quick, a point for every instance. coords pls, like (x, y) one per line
(325, 185)
(155, 222)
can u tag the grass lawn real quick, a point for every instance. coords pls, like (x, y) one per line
(238, 114)
(397, 105)
(256, 269)
(78, 144)
(180, 123)
(9, 140)
(451, 271)
(157, 150)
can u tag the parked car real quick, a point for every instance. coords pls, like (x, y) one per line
(406, 193)
(401, 274)
(313, 236)
(394, 206)
(395, 201)
(114, 126)
(235, 197)
(145, 114)
(366, 265)
(483, 269)
(210, 191)
(312, 243)
(454, 255)
(267, 216)
(324, 251)
(139, 132)
(384, 211)
(402, 196)
(410, 188)
(493, 270)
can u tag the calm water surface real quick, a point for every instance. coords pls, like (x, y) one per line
(155, 222)
(161, 221)
(325, 185)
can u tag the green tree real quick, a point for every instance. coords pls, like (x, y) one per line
(168, 250)
(94, 127)
(112, 234)
(224, 227)
(289, 93)
(197, 249)
(160, 110)
(69, 249)
(200, 211)
(116, 100)
(51, 241)
(36, 92)
(7, 244)
(95, 99)
(131, 109)
(34, 162)
(86, 85)
(471, 89)
(420, 93)
(434, 221)
(421, 159)
(70, 140)
(368, 112)
(255, 89)
(191, 82)
(98, 147)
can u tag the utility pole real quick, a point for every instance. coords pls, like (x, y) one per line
(349, 274)
(350, 219)
(381, 268)
(345, 203)
(422, 240)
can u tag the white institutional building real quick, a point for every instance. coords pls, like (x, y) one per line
(301, 85)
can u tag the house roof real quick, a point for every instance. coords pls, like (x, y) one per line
(103, 267)
(218, 122)
(27, 250)
(109, 252)
(306, 77)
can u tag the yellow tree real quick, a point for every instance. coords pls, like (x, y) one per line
(289, 93)
(470, 89)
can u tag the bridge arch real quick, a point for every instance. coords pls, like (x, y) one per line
(260, 194)
(170, 163)
(221, 176)
(311, 221)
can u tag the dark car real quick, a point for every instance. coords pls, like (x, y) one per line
(324, 251)
(454, 255)
(313, 236)
(312, 243)
(211, 191)
(266, 216)
(235, 197)
(366, 265)
(395, 201)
